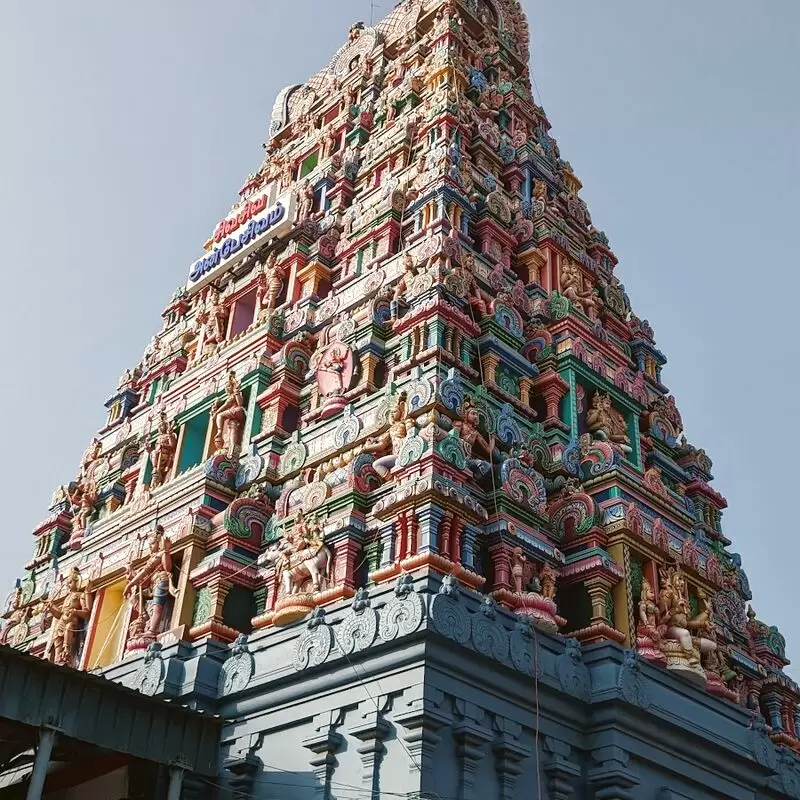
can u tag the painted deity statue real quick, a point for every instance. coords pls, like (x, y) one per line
(154, 583)
(387, 446)
(648, 635)
(270, 283)
(163, 452)
(332, 364)
(605, 422)
(473, 293)
(84, 504)
(702, 626)
(215, 318)
(75, 609)
(229, 415)
(89, 460)
(305, 201)
(301, 557)
(472, 439)
(15, 616)
(674, 614)
(537, 601)
(572, 288)
(403, 288)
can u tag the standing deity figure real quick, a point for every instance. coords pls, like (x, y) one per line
(572, 288)
(89, 460)
(674, 611)
(473, 292)
(605, 422)
(403, 288)
(83, 508)
(163, 452)
(154, 583)
(229, 416)
(387, 446)
(215, 319)
(270, 283)
(75, 608)
(152, 352)
(305, 201)
(648, 636)
(329, 140)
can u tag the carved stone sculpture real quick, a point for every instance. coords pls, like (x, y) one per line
(229, 416)
(68, 618)
(153, 585)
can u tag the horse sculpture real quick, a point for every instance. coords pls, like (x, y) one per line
(297, 567)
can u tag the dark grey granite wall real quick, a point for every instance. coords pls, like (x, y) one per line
(424, 689)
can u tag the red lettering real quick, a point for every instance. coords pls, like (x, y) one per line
(228, 226)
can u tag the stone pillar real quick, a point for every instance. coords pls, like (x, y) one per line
(598, 589)
(561, 772)
(47, 738)
(429, 517)
(324, 745)
(219, 592)
(241, 775)
(509, 755)
(470, 749)
(184, 602)
(386, 533)
(502, 566)
(490, 362)
(468, 540)
(611, 777)
(773, 705)
(372, 730)
(553, 388)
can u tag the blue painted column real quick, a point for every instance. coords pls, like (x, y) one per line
(47, 739)
(175, 783)
(387, 541)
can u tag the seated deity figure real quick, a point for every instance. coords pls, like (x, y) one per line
(468, 427)
(387, 446)
(674, 613)
(301, 558)
(704, 631)
(229, 415)
(572, 288)
(605, 422)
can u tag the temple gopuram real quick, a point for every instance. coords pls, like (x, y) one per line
(398, 491)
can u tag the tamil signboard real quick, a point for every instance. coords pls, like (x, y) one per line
(249, 227)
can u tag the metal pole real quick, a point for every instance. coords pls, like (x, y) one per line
(46, 740)
(175, 783)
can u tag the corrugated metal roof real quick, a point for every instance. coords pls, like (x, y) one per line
(91, 709)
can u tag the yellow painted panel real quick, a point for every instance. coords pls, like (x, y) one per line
(111, 616)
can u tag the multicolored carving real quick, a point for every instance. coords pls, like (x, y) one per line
(435, 356)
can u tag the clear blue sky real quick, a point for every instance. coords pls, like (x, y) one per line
(128, 128)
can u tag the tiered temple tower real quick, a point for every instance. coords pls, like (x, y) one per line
(399, 473)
